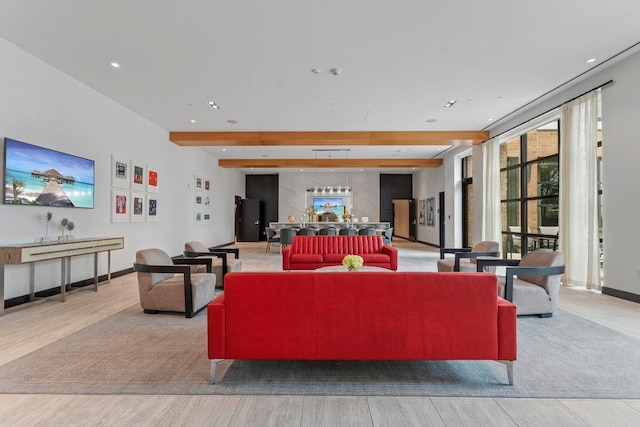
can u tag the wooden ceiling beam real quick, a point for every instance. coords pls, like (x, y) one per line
(329, 163)
(328, 138)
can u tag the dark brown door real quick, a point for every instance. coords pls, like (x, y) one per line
(249, 220)
(413, 223)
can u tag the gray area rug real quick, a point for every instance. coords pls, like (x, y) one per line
(135, 353)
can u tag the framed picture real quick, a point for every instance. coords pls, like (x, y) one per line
(197, 184)
(197, 216)
(207, 184)
(152, 179)
(206, 201)
(431, 215)
(120, 206)
(138, 176)
(120, 172)
(152, 208)
(206, 217)
(421, 211)
(197, 201)
(138, 202)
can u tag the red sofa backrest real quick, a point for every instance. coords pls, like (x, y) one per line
(336, 244)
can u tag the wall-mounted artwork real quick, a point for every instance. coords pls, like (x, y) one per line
(207, 185)
(152, 208)
(197, 184)
(197, 217)
(422, 211)
(138, 201)
(138, 176)
(152, 179)
(206, 217)
(431, 215)
(120, 177)
(120, 206)
(39, 176)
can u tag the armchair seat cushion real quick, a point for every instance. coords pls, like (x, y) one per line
(528, 298)
(466, 266)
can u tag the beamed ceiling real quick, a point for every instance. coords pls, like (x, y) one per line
(293, 77)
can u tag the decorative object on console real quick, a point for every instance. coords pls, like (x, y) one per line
(352, 262)
(48, 216)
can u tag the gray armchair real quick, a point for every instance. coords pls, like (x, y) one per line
(465, 258)
(387, 235)
(286, 236)
(347, 232)
(272, 238)
(221, 265)
(165, 285)
(532, 283)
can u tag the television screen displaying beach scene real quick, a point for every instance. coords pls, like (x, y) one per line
(39, 176)
(328, 204)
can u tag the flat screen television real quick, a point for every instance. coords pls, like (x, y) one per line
(39, 176)
(320, 204)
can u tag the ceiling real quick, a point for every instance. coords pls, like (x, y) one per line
(400, 62)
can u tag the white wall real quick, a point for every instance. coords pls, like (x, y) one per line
(428, 183)
(42, 106)
(293, 186)
(621, 154)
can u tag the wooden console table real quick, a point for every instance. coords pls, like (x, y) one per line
(30, 253)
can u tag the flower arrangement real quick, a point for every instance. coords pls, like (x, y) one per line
(352, 262)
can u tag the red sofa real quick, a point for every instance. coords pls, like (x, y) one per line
(361, 316)
(311, 252)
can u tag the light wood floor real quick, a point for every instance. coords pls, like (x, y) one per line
(25, 330)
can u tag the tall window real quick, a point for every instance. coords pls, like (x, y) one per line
(467, 201)
(529, 182)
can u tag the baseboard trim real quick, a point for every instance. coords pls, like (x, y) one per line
(621, 294)
(24, 299)
(428, 244)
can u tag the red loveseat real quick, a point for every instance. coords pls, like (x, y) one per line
(361, 316)
(311, 252)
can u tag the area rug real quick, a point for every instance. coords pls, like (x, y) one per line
(136, 353)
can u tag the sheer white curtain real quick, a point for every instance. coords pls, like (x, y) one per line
(578, 222)
(492, 229)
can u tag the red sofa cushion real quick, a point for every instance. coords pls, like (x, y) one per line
(375, 258)
(306, 258)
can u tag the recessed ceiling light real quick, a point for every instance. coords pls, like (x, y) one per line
(115, 65)
(450, 103)
(213, 105)
(589, 61)
(224, 149)
(361, 170)
(193, 121)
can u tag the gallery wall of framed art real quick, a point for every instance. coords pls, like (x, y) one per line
(201, 200)
(134, 191)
